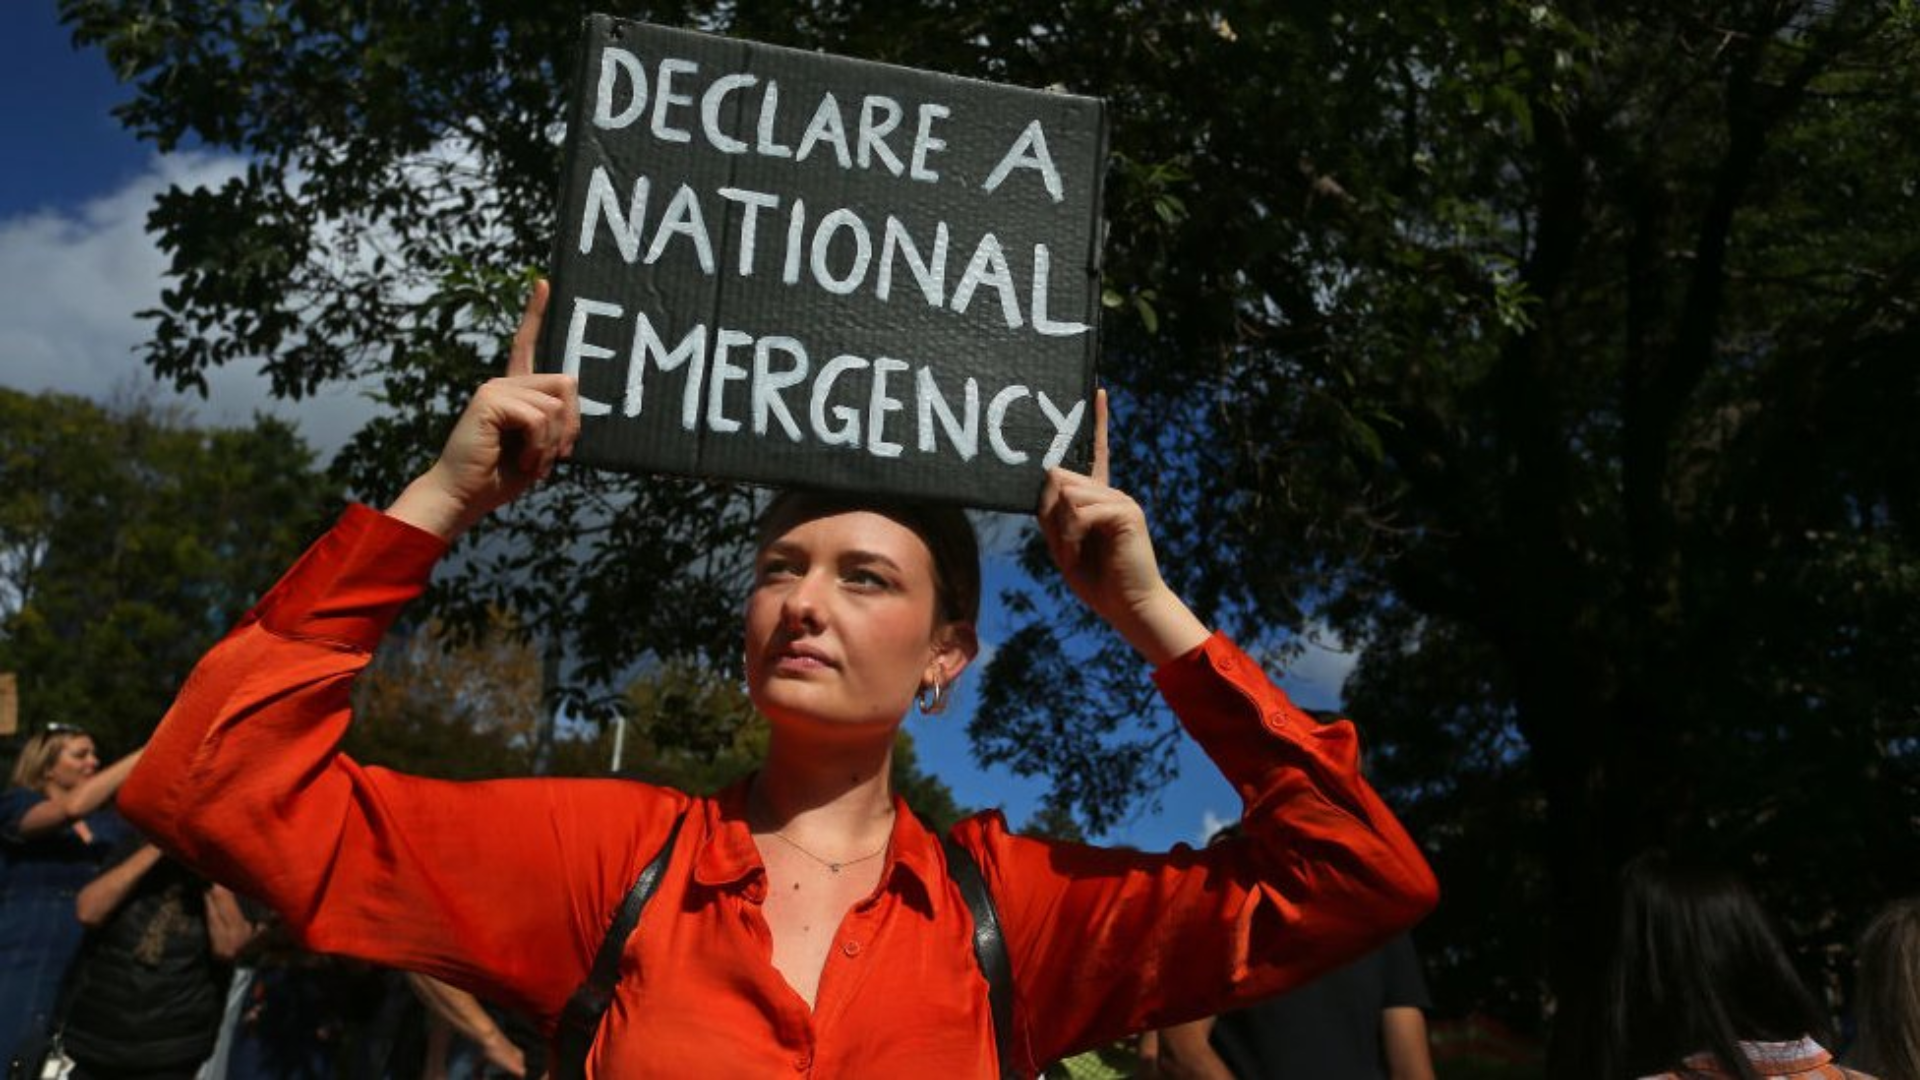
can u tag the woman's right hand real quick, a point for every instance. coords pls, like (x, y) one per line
(513, 432)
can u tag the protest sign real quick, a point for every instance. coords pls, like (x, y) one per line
(791, 268)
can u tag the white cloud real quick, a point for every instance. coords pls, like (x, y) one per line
(1211, 823)
(75, 281)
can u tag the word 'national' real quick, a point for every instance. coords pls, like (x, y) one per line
(837, 252)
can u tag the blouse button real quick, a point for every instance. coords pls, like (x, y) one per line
(851, 948)
(803, 1062)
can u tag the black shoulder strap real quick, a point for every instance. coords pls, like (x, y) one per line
(580, 1020)
(989, 948)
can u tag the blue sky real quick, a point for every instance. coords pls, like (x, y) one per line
(67, 143)
(76, 265)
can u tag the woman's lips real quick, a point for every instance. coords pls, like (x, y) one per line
(801, 658)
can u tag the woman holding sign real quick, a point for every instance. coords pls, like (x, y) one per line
(804, 920)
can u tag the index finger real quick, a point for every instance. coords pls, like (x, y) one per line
(1101, 471)
(520, 358)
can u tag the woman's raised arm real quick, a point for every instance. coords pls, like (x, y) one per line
(1098, 538)
(502, 887)
(1107, 941)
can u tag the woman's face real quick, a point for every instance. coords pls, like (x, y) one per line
(75, 762)
(840, 624)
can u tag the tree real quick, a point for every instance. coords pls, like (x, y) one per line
(454, 707)
(397, 200)
(130, 541)
(1555, 356)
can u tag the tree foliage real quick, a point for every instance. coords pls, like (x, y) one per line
(1555, 356)
(464, 707)
(395, 206)
(468, 707)
(130, 540)
(1565, 378)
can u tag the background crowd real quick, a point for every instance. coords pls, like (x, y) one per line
(124, 964)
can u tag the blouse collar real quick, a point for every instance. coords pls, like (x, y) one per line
(729, 859)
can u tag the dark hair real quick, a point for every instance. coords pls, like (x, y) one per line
(944, 529)
(1887, 993)
(1696, 967)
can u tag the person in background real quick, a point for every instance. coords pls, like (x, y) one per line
(54, 834)
(148, 991)
(457, 1012)
(237, 930)
(1364, 1021)
(1699, 984)
(307, 1016)
(1887, 994)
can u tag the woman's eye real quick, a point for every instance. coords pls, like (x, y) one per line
(775, 568)
(866, 579)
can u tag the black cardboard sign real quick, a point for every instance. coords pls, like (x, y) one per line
(797, 269)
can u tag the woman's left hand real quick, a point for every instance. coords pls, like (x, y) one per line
(1098, 538)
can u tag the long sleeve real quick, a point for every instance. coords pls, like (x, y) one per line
(502, 887)
(1106, 942)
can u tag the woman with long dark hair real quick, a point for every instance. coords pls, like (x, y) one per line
(1700, 986)
(804, 921)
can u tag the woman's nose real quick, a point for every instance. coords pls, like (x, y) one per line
(800, 610)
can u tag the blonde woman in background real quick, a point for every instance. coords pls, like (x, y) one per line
(52, 840)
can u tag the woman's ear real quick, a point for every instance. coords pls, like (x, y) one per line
(954, 646)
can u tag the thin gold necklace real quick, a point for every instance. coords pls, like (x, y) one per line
(829, 863)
